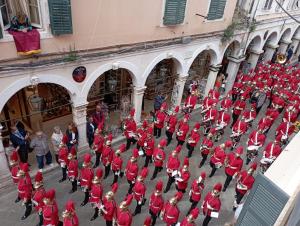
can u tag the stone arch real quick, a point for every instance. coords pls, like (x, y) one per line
(296, 34)
(255, 43)
(272, 38)
(19, 84)
(236, 44)
(133, 70)
(286, 35)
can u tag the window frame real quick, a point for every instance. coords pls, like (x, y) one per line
(268, 5)
(40, 25)
(215, 20)
(164, 2)
(1, 21)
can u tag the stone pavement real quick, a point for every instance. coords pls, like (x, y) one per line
(11, 213)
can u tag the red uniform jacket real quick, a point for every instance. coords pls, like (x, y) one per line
(234, 164)
(246, 180)
(191, 101)
(278, 101)
(186, 223)
(50, 214)
(148, 146)
(290, 116)
(265, 123)
(256, 139)
(211, 115)
(159, 157)
(214, 94)
(71, 221)
(160, 119)
(110, 209)
(98, 143)
(107, 155)
(172, 164)
(156, 203)
(171, 214)
(130, 128)
(239, 104)
(273, 113)
(183, 183)
(14, 170)
(96, 193)
(206, 145)
(171, 123)
(86, 177)
(193, 138)
(196, 190)
(239, 127)
(116, 163)
(37, 199)
(218, 156)
(284, 130)
(226, 103)
(131, 170)
(208, 103)
(124, 218)
(25, 187)
(249, 116)
(223, 118)
(182, 131)
(139, 190)
(210, 204)
(73, 169)
(142, 134)
(272, 150)
(63, 157)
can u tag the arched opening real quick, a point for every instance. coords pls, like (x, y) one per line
(254, 45)
(112, 91)
(160, 81)
(296, 43)
(231, 51)
(269, 52)
(284, 42)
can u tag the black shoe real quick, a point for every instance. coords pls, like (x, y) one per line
(165, 191)
(93, 218)
(17, 200)
(94, 166)
(62, 180)
(24, 217)
(152, 178)
(83, 204)
(224, 189)
(234, 208)
(210, 175)
(144, 201)
(71, 191)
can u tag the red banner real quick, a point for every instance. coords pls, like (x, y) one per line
(27, 42)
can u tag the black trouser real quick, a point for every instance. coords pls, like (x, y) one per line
(157, 132)
(86, 197)
(64, 173)
(193, 206)
(129, 141)
(204, 157)
(155, 172)
(206, 220)
(131, 184)
(40, 219)
(74, 185)
(234, 97)
(97, 159)
(106, 171)
(239, 196)
(258, 109)
(109, 223)
(191, 149)
(96, 213)
(153, 217)
(23, 154)
(171, 180)
(227, 181)
(180, 142)
(138, 208)
(28, 208)
(138, 146)
(169, 137)
(116, 177)
(234, 118)
(147, 160)
(56, 159)
(213, 170)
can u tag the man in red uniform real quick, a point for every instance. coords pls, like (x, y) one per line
(221, 123)
(86, 177)
(290, 115)
(156, 202)
(238, 107)
(73, 169)
(117, 163)
(139, 191)
(255, 141)
(132, 169)
(141, 133)
(148, 146)
(109, 207)
(38, 196)
(159, 157)
(265, 124)
(25, 188)
(182, 130)
(212, 204)
(226, 103)
(270, 154)
(183, 176)
(69, 215)
(244, 184)
(172, 166)
(209, 119)
(249, 115)
(196, 190)
(50, 209)
(218, 158)
(272, 113)
(238, 129)
(171, 124)
(283, 131)
(130, 129)
(107, 155)
(147, 221)
(190, 219)
(160, 117)
(14, 166)
(171, 212)
(98, 145)
(205, 148)
(190, 102)
(233, 165)
(124, 216)
(63, 160)
(96, 193)
(193, 139)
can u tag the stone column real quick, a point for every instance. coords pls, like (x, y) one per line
(253, 58)
(211, 79)
(283, 46)
(232, 70)
(4, 167)
(137, 98)
(269, 52)
(178, 90)
(295, 43)
(79, 118)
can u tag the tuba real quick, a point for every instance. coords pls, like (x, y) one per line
(281, 58)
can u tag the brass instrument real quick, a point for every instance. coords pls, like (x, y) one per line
(281, 58)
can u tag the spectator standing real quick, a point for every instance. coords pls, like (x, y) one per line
(20, 140)
(90, 130)
(98, 116)
(41, 148)
(56, 139)
(158, 100)
(258, 97)
(72, 135)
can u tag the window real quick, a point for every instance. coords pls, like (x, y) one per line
(295, 4)
(4, 13)
(174, 12)
(216, 9)
(268, 4)
(34, 12)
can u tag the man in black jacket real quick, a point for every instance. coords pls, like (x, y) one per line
(90, 130)
(19, 138)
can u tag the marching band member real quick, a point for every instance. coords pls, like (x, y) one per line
(117, 163)
(130, 129)
(271, 152)
(50, 209)
(221, 123)
(73, 169)
(124, 216)
(96, 193)
(250, 115)
(226, 102)
(148, 146)
(209, 119)
(139, 191)
(171, 125)
(206, 147)
(265, 124)
(190, 219)
(69, 215)
(255, 141)
(156, 202)
(14, 167)
(182, 130)
(238, 129)
(171, 212)
(196, 191)
(159, 157)
(238, 107)
(218, 158)
(193, 139)
(131, 170)
(107, 155)
(38, 196)
(172, 167)
(108, 208)
(190, 102)
(63, 160)
(283, 131)
(183, 176)
(160, 117)
(290, 115)
(141, 134)
(86, 177)
(98, 144)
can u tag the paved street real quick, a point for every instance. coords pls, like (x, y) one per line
(10, 213)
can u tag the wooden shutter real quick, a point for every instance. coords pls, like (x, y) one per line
(216, 9)
(174, 12)
(60, 17)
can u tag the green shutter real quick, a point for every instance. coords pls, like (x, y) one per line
(174, 12)
(216, 9)
(1, 34)
(60, 17)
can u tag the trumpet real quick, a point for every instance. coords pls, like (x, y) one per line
(281, 58)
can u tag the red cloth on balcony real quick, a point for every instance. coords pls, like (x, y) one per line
(27, 42)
